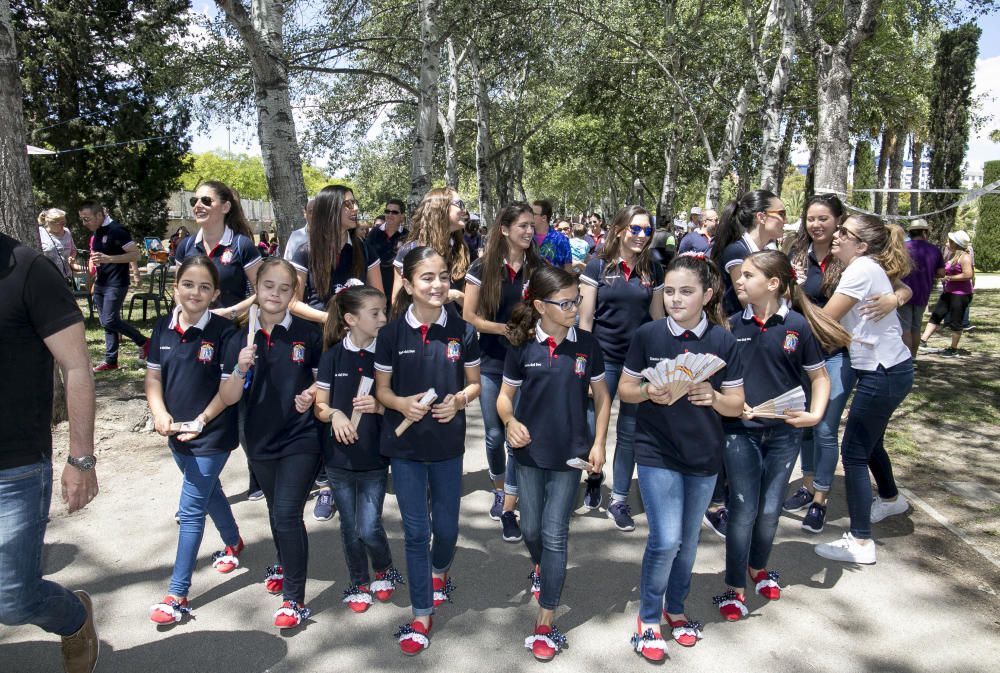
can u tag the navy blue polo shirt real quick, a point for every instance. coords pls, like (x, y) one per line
(191, 366)
(623, 299)
(814, 278)
(385, 248)
(732, 256)
(112, 238)
(340, 372)
(418, 363)
(340, 273)
(777, 355)
(681, 437)
(553, 386)
(695, 241)
(494, 346)
(234, 254)
(283, 367)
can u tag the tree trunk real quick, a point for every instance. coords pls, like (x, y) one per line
(786, 152)
(730, 141)
(772, 139)
(262, 32)
(17, 205)
(918, 154)
(427, 117)
(448, 120)
(895, 170)
(864, 174)
(485, 174)
(671, 159)
(882, 169)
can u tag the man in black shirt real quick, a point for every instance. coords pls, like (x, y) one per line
(385, 239)
(112, 250)
(39, 321)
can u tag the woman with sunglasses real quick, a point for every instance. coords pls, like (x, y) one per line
(223, 236)
(439, 223)
(872, 254)
(622, 289)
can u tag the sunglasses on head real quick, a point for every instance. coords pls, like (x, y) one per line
(393, 212)
(459, 203)
(635, 230)
(205, 201)
(565, 304)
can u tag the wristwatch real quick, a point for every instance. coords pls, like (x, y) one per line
(84, 463)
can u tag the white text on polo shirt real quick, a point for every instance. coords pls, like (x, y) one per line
(407, 352)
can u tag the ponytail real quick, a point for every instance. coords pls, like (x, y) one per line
(544, 282)
(707, 274)
(349, 300)
(738, 218)
(885, 244)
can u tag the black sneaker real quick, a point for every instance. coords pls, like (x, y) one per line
(718, 521)
(497, 509)
(798, 500)
(949, 353)
(968, 328)
(511, 531)
(592, 497)
(621, 514)
(815, 518)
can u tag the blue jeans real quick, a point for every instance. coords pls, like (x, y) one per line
(876, 398)
(108, 301)
(623, 464)
(497, 456)
(547, 498)
(411, 480)
(359, 497)
(819, 443)
(759, 464)
(674, 504)
(26, 598)
(201, 494)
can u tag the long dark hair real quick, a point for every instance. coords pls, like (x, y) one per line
(799, 252)
(411, 261)
(738, 218)
(708, 276)
(544, 283)
(493, 266)
(349, 300)
(613, 245)
(327, 239)
(234, 219)
(775, 264)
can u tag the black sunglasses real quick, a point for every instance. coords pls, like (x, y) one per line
(393, 212)
(459, 203)
(205, 201)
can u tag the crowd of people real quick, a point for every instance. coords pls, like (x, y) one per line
(346, 359)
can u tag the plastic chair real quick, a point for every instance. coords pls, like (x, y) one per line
(155, 294)
(80, 291)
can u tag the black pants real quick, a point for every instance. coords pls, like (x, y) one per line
(950, 310)
(286, 482)
(108, 301)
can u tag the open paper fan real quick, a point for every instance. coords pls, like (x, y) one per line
(793, 400)
(679, 374)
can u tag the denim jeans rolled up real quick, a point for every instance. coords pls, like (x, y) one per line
(430, 536)
(877, 396)
(623, 462)
(759, 463)
(547, 498)
(25, 597)
(819, 443)
(109, 301)
(286, 483)
(359, 497)
(201, 494)
(674, 504)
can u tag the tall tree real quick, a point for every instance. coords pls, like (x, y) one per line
(421, 176)
(16, 203)
(954, 77)
(864, 174)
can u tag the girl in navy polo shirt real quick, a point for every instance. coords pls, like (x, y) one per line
(182, 385)
(423, 348)
(779, 346)
(356, 469)
(282, 437)
(493, 288)
(622, 288)
(678, 447)
(552, 365)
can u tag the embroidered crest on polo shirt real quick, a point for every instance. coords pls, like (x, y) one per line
(206, 352)
(227, 257)
(580, 367)
(298, 351)
(454, 350)
(104, 239)
(791, 342)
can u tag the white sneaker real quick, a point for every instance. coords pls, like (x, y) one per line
(886, 508)
(849, 550)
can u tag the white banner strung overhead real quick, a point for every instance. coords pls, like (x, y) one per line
(968, 198)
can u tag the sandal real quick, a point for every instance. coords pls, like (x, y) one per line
(545, 642)
(649, 643)
(767, 584)
(290, 615)
(170, 611)
(684, 631)
(732, 605)
(414, 638)
(385, 583)
(228, 560)
(442, 590)
(358, 597)
(274, 580)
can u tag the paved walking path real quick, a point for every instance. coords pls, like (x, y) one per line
(930, 603)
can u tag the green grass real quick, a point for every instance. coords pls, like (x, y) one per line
(900, 442)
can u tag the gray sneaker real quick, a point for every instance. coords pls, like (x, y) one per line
(80, 650)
